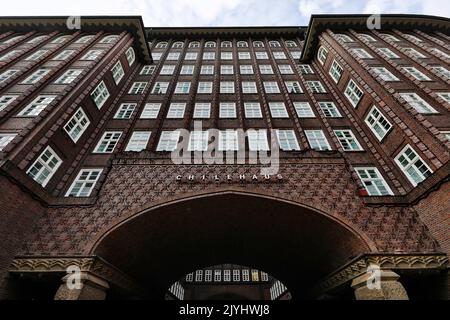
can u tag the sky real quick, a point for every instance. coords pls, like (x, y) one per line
(199, 13)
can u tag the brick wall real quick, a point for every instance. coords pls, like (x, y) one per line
(18, 214)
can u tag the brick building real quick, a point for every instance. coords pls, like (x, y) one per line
(360, 119)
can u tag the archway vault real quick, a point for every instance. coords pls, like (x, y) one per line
(295, 243)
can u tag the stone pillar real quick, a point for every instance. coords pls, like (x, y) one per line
(91, 288)
(389, 287)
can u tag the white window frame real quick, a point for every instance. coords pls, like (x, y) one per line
(278, 110)
(117, 72)
(336, 71)
(69, 76)
(317, 140)
(287, 140)
(253, 110)
(249, 87)
(202, 110)
(125, 111)
(415, 101)
(176, 110)
(412, 164)
(77, 125)
(160, 87)
(5, 139)
(151, 111)
(100, 94)
(198, 141)
(304, 110)
(329, 109)
(388, 53)
(130, 55)
(138, 141)
(45, 165)
(86, 183)
(35, 107)
(137, 88)
(227, 110)
(271, 87)
(257, 140)
(168, 141)
(373, 181)
(108, 139)
(6, 100)
(316, 86)
(227, 87)
(378, 123)
(322, 55)
(182, 87)
(385, 74)
(204, 87)
(348, 140)
(207, 69)
(352, 94)
(414, 72)
(36, 76)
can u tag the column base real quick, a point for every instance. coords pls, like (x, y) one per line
(91, 288)
(388, 288)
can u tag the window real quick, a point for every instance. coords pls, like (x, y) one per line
(361, 53)
(36, 55)
(189, 277)
(125, 111)
(177, 45)
(390, 37)
(161, 45)
(278, 110)
(202, 110)
(373, 182)
(156, 56)
(378, 123)
(217, 275)
(204, 87)
(226, 56)
(413, 38)
(226, 69)
(317, 140)
(84, 39)
(6, 138)
(367, 37)
(245, 275)
(306, 69)
(246, 69)
(12, 39)
(36, 39)
(285, 69)
(187, 69)
(69, 76)
(265, 69)
(440, 53)
(416, 74)
(190, 56)
(168, 141)
(176, 111)
(249, 87)
(347, 140)
(210, 44)
(182, 87)
(209, 55)
(7, 74)
(36, 76)
(415, 169)
(228, 140)
(291, 44)
(109, 39)
(92, 55)
(236, 275)
(208, 275)
(336, 71)
(442, 71)
(329, 110)
(414, 53)
(446, 134)
(274, 44)
(252, 110)
(264, 276)
(151, 111)
(117, 72)
(316, 87)
(242, 44)
(227, 110)
(207, 69)
(255, 275)
(84, 183)
(160, 87)
(6, 100)
(258, 44)
(261, 55)
(353, 93)
(100, 95)
(64, 55)
(257, 140)
(244, 55)
(322, 55)
(279, 55)
(194, 44)
(108, 142)
(76, 126)
(303, 110)
(287, 140)
(387, 52)
(296, 54)
(226, 87)
(417, 103)
(344, 37)
(146, 70)
(137, 88)
(384, 74)
(271, 87)
(138, 141)
(173, 56)
(199, 275)
(36, 106)
(198, 141)
(226, 44)
(167, 70)
(45, 166)
(443, 95)
(227, 275)
(131, 56)
(9, 55)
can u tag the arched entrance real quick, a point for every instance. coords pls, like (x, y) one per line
(297, 245)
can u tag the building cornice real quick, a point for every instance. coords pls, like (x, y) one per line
(319, 23)
(132, 24)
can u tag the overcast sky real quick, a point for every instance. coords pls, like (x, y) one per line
(183, 13)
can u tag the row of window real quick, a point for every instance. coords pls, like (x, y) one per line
(61, 39)
(226, 44)
(235, 275)
(210, 55)
(226, 69)
(277, 290)
(387, 36)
